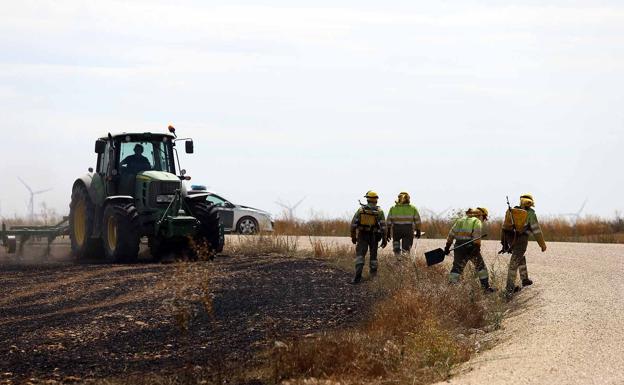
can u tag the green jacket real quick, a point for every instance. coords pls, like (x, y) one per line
(532, 223)
(534, 228)
(379, 222)
(465, 229)
(404, 214)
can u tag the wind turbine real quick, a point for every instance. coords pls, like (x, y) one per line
(436, 215)
(436, 219)
(290, 209)
(577, 214)
(31, 203)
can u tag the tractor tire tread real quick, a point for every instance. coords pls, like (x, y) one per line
(210, 224)
(127, 232)
(93, 247)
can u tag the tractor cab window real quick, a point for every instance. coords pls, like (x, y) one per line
(136, 157)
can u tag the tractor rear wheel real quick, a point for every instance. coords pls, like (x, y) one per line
(81, 221)
(120, 233)
(210, 225)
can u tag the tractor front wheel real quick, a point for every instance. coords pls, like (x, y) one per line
(120, 233)
(210, 225)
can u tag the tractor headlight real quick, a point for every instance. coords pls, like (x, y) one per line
(165, 198)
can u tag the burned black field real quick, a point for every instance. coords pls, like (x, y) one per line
(68, 322)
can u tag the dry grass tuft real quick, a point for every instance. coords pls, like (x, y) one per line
(330, 250)
(334, 227)
(559, 229)
(262, 244)
(414, 334)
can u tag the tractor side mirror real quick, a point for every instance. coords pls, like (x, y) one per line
(100, 146)
(189, 146)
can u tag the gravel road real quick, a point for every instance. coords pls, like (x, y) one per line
(570, 329)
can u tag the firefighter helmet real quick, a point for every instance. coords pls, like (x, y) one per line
(526, 200)
(371, 195)
(403, 198)
(482, 211)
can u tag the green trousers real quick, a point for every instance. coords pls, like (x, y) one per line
(402, 238)
(464, 255)
(517, 263)
(366, 240)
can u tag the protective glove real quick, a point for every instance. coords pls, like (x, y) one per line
(384, 243)
(418, 233)
(447, 249)
(543, 248)
(353, 240)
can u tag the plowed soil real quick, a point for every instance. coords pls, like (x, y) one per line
(64, 321)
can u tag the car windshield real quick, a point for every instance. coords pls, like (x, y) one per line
(138, 156)
(216, 200)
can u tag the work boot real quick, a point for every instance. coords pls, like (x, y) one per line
(485, 284)
(358, 275)
(508, 295)
(509, 292)
(373, 273)
(526, 282)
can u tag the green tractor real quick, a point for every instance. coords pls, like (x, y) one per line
(135, 192)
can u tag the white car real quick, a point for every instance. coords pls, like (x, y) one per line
(238, 218)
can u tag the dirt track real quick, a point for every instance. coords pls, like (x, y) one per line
(59, 321)
(571, 328)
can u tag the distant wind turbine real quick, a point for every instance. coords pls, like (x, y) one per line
(436, 219)
(577, 214)
(288, 208)
(31, 203)
(437, 215)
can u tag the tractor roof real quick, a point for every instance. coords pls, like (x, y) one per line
(139, 134)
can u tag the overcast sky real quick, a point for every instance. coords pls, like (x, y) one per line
(458, 102)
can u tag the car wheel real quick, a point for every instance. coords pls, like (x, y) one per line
(247, 226)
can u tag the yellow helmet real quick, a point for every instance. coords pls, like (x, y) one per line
(482, 211)
(403, 198)
(526, 200)
(478, 212)
(371, 195)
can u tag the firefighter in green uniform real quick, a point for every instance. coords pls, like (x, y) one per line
(403, 220)
(368, 227)
(520, 221)
(463, 230)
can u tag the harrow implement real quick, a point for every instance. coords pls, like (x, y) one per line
(14, 238)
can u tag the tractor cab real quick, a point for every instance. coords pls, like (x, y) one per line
(127, 158)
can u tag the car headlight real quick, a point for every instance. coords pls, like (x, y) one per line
(165, 198)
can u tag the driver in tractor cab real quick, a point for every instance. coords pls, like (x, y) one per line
(136, 163)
